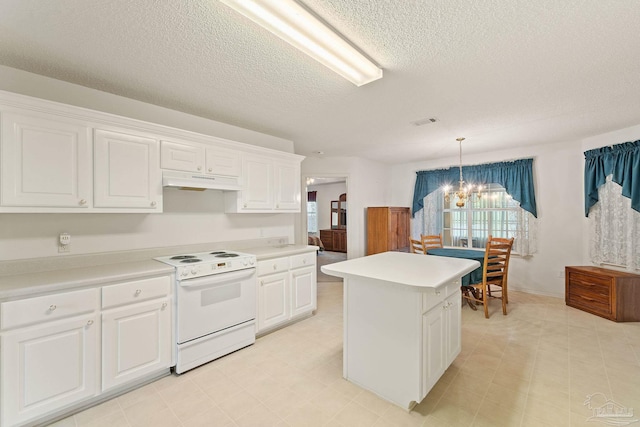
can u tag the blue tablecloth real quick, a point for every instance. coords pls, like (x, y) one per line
(476, 275)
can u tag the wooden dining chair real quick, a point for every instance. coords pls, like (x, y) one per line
(494, 273)
(431, 241)
(416, 246)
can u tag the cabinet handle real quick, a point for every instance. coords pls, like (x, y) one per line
(275, 266)
(210, 170)
(437, 292)
(261, 282)
(52, 307)
(83, 202)
(89, 322)
(153, 204)
(304, 261)
(245, 205)
(199, 168)
(138, 292)
(164, 305)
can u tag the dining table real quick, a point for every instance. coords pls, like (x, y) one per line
(473, 254)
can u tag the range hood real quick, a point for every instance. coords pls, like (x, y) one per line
(200, 182)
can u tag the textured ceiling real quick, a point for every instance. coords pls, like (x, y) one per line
(501, 73)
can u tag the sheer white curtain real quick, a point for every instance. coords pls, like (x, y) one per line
(525, 242)
(429, 219)
(614, 229)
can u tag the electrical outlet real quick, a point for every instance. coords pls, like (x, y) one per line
(64, 243)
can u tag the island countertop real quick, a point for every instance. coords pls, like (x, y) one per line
(421, 271)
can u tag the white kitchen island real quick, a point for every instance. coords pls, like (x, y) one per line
(401, 321)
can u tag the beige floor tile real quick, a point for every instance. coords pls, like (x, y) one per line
(65, 422)
(356, 415)
(114, 419)
(238, 405)
(90, 415)
(398, 417)
(259, 416)
(143, 410)
(284, 403)
(214, 417)
(143, 393)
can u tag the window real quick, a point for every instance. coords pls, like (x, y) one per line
(312, 217)
(491, 212)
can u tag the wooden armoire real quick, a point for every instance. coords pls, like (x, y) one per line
(388, 229)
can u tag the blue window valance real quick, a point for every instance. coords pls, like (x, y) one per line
(516, 177)
(620, 160)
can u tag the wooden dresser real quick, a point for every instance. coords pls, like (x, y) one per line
(612, 294)
(334, 240)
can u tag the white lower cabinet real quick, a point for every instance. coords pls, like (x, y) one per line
(441, 337)
(48, 366)
(57, 355)
(273, 300)
(287, 289)
(136, 341)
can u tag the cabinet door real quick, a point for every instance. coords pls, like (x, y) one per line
(136, 341)
(453, 314)
(45, 162)
(182, 156)
(273, 300)
(47, 367)
(257, 174)
(127, 172)
(221, 161)
(433, 351)
(303, 291)
(287, 186)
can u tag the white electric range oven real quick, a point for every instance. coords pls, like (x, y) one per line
(215, 305)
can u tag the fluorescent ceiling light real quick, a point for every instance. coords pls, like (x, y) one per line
(294, 24)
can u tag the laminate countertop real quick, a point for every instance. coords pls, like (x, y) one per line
(43, 276)
(415, 270)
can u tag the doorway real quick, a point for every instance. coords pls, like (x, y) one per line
(325, 219)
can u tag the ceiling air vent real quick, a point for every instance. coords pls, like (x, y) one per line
(423, 122)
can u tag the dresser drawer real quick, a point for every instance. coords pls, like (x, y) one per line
(303, 260)
(275, 265)
(587, 303)
(136, 291)
(49, 307)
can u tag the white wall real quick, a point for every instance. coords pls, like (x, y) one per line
(367, 185)
(559, 194)
(188, 218)
(326, 193)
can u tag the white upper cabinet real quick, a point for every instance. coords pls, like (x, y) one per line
(127, 172)
(182, 156)
(46, 161)
(222, 161)
(200, 158)
(287, 186)
(268, 185)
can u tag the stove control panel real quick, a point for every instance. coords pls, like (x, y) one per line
(214, 267)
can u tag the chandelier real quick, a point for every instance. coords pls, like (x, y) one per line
(463, 193)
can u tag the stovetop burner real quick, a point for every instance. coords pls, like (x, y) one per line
(217, 252)
(190, 260)
(226, 255)
(183, 257)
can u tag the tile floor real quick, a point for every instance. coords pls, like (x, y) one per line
(534, 367)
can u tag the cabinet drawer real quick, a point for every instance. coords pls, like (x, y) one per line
(275, 265)
(431, 298)
(48, 307)
(303, 260)
(139, 290)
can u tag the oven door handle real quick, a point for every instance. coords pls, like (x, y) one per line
(218, 278)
